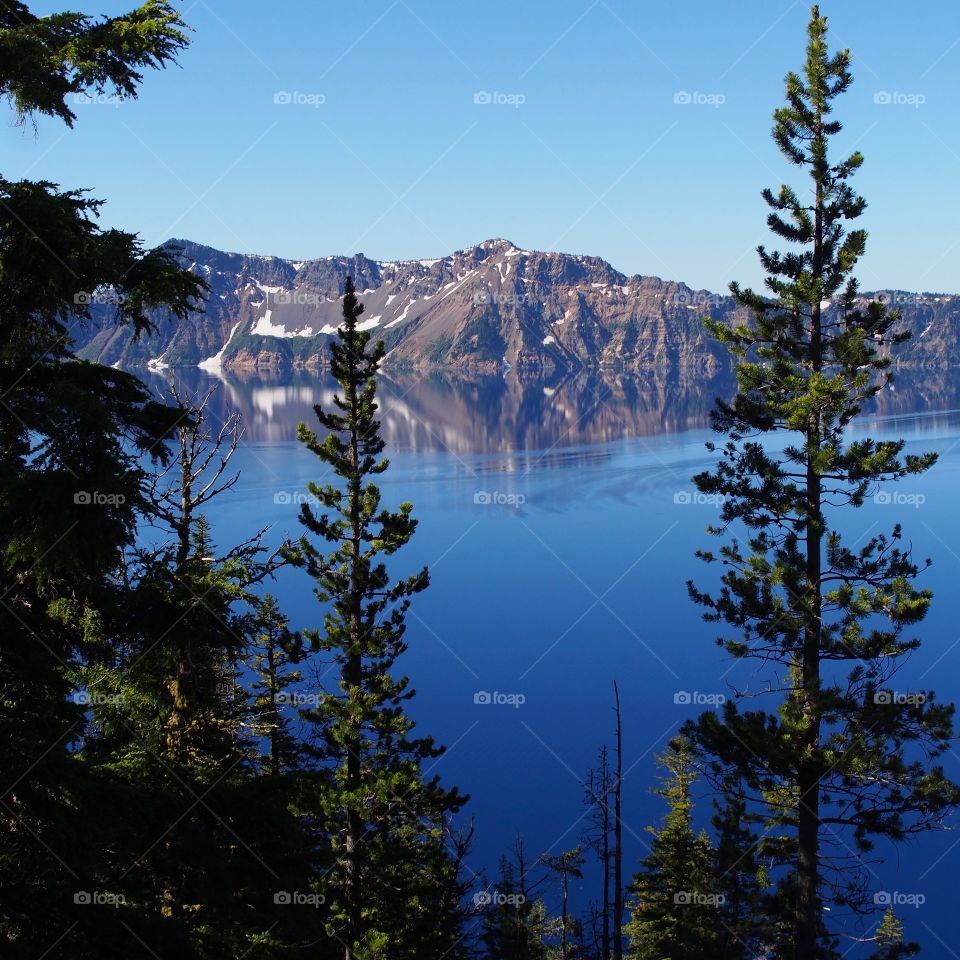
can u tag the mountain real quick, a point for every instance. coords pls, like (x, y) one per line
(479, 309)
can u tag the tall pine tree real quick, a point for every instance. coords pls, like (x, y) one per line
(832, 767)
(388, 822)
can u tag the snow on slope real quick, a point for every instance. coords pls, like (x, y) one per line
(216, 361)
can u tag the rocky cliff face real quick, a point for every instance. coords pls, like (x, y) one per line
(481, 309)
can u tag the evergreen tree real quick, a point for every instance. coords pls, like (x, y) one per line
(745, 922)
(388, 821)
(889, 939)
(516, 924)
(72, 439)
(210, 844)
(205, 597)
(832, 762)
(276, 650)
(173, 648)
(675, 899)
(46, 59)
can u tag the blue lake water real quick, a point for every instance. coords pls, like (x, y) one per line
(559, 524)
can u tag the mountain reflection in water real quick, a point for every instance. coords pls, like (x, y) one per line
(447, 412)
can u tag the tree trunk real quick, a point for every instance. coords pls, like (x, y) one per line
(353, 675)
(618, 840)
(605, 787)
(808, 781)
(274, 712)
(521, 934)
(563, 919)
(180, 679)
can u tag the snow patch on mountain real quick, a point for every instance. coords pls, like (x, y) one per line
(469, 274)
(263, 327)
(216, 361)
(403, 316)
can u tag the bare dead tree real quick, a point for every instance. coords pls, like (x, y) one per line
(598, 791)
(565, 865)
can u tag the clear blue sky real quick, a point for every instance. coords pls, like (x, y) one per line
(398, 161)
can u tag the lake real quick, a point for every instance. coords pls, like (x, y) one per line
(559, 523)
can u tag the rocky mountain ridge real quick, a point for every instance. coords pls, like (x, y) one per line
(489, 307)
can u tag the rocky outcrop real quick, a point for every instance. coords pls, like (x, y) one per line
(479, 310)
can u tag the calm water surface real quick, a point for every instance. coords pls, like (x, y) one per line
(559, 524)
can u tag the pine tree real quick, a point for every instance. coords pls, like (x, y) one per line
(210, 842)
(388, 821)
(74, 438)
(516, 924)
(49, 58)
(276, 650)
(675, 898)
(889, 939)
(827, 619)
(745, 914)
(174, 646)
(202, 594)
